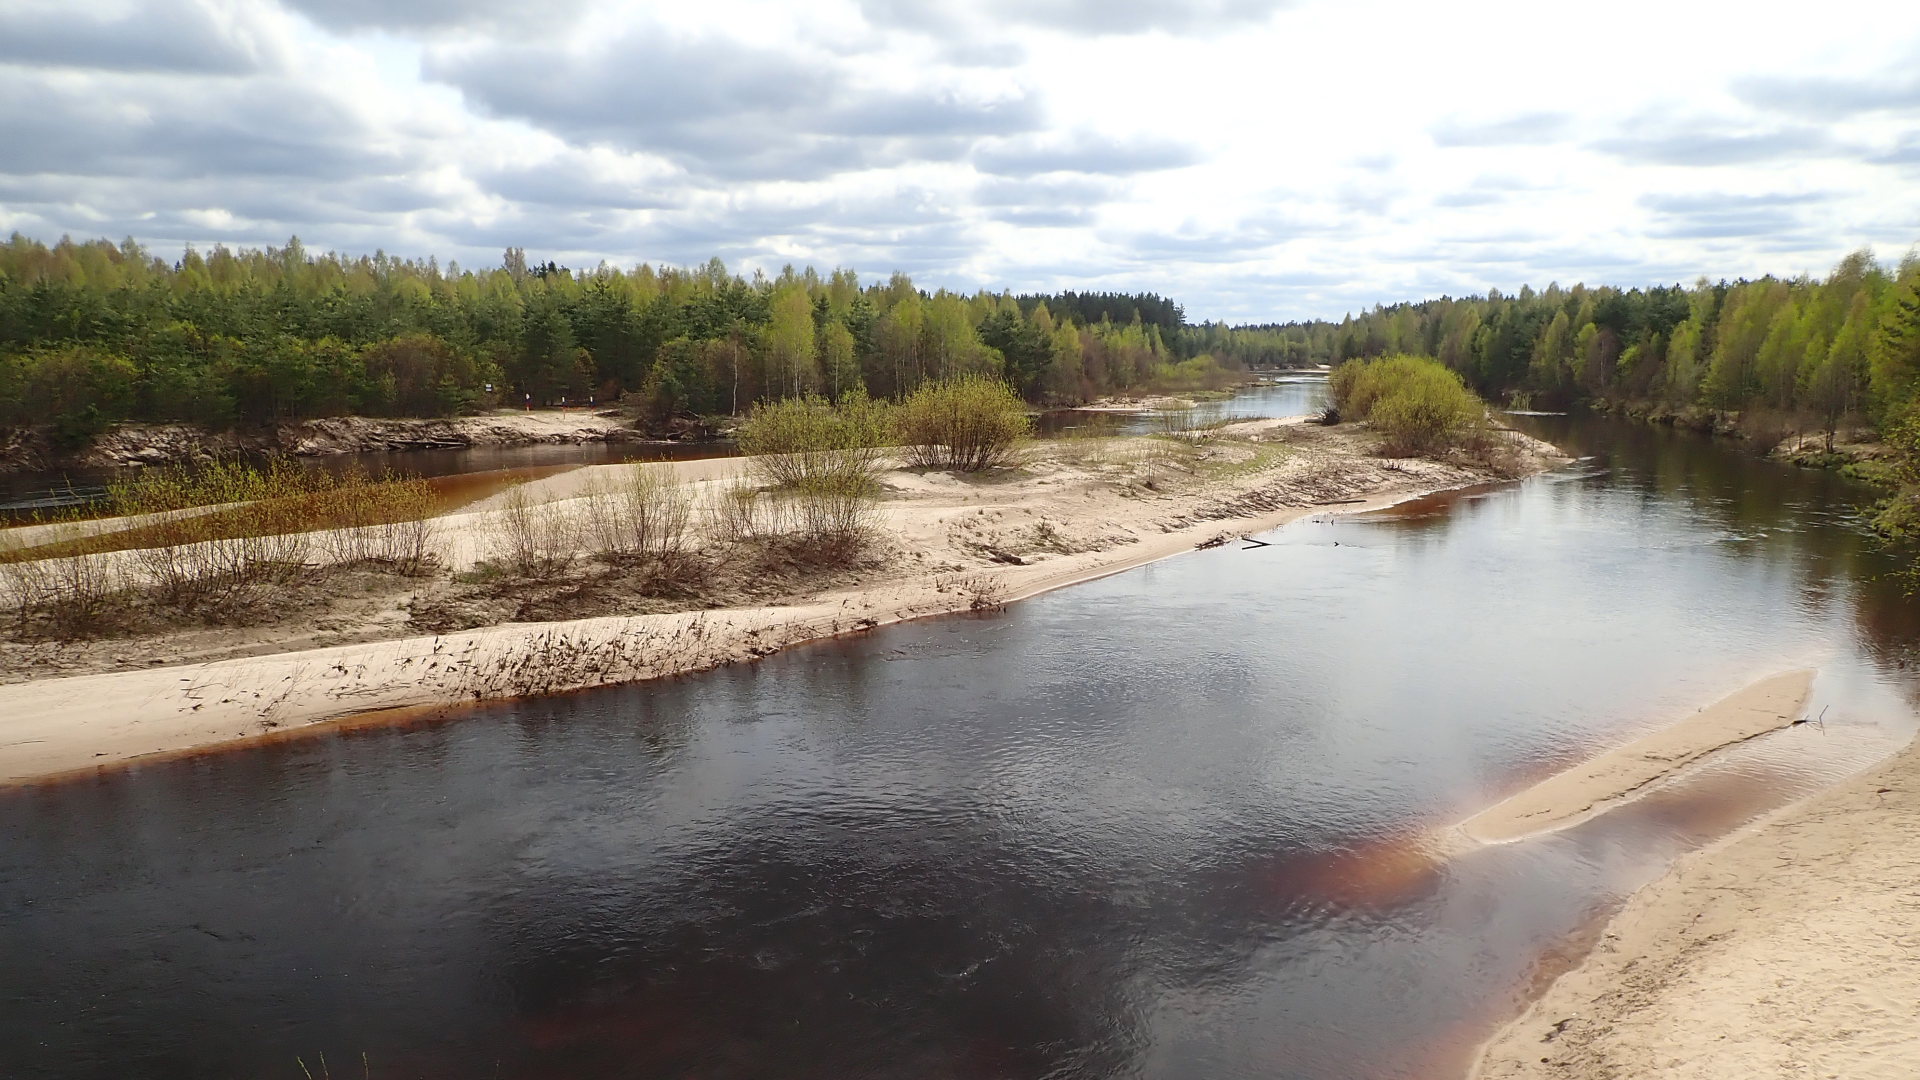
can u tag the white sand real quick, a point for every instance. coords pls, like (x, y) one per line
(1792, 949)
(1591, 787)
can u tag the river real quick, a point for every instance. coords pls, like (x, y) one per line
(1178, 822)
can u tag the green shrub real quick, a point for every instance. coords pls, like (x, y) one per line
(1418, 405)
(807, 440)
(970, 423)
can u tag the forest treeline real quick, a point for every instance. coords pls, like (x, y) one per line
(1818, 354)
(96, 332)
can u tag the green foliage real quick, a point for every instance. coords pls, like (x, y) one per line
(1417, 404)
(970, 423)
(799, 441)
(94, 333)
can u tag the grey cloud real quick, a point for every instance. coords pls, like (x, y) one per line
(1486, 190)
(413, 15)
(1083, 16)
(1702, 145)
(180, 37)
(185, 128)
(150, 207)
(1720, 202)
(914, 115)
(1531, 129)
(1704, 216)
(1057, 218)
(1467, 199)
(1830, 98)
(1082, 153)
(1906, 154)
(573, 182)
(1044, 191)
(1244, 239)
(1762, 222)
(720, 108)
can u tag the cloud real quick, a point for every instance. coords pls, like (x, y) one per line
(724, 109)
(1710, 202)
(1907, 153)
(1828, 98)
(1082, 153)
(1097, 17)
(416, 15)
(579, 180)
(1241, 240)
(187, 128)
(1707, 145)
(1047, 191)
(1714, 215)
(150, 37)
(1530, 129)
(1042, 218)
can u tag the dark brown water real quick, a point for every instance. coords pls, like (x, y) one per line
(521, 461)
(1173, 823)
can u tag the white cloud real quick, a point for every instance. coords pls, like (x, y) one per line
(1254, 159)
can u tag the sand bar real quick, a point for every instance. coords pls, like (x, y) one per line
(1790, 949)
(1589, 788)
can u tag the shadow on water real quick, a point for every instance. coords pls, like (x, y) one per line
(1187, 821)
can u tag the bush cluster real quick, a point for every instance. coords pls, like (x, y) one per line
(969, 424)
(1418, 405)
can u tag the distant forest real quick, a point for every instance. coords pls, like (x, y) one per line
(1826, 353)
(92, 333)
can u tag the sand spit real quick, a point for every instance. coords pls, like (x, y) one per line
(1593, 786)
(1077, 511)
(1791, 949)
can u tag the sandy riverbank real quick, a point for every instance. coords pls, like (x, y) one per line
(1078, 510)
(1789, 949)
(161, 444)
(1594, 786)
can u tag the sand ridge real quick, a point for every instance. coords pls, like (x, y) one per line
(1591, 787)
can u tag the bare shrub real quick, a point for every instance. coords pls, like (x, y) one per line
(971, 423)
(658, 508)
(835, 517)
(389, 521)
(534, 540)
(643, 513)
(68, 598)
(736, 511)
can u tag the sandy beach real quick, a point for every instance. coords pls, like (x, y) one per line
(1076, 511)
(1789, 949)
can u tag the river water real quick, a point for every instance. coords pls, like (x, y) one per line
(1178, 822)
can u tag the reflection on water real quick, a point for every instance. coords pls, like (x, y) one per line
(427, 463)
(1287, 395)
(1180, 822)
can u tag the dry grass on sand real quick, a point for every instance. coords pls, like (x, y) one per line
(343, 643)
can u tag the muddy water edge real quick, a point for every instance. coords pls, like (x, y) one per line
(1173, 823)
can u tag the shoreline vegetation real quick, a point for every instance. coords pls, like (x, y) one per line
(264, 342)
(611, 574)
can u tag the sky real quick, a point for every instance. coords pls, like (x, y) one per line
(1256, 160)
